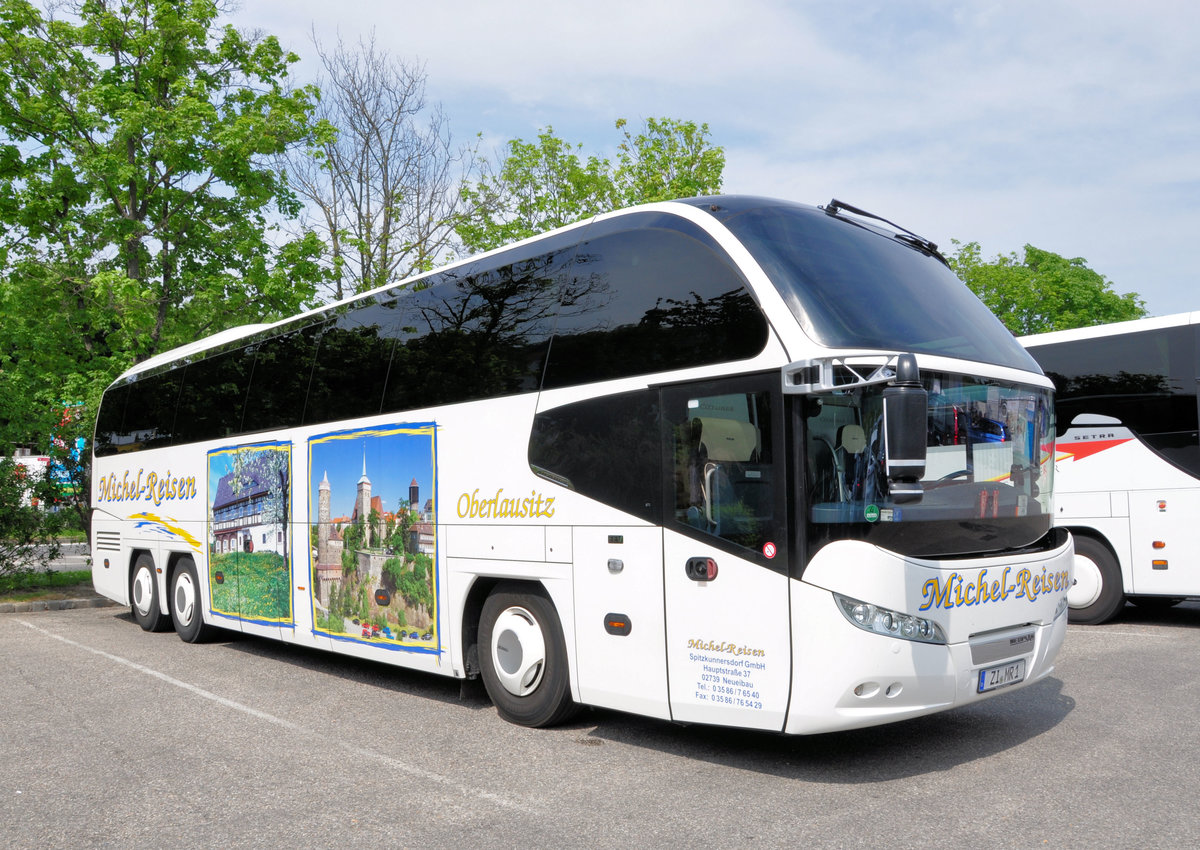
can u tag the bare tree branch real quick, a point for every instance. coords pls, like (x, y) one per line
(386, 191)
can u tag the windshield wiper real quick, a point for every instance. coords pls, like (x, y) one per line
(903, 235)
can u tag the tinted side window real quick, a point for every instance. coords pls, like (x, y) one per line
(138, 415)
(605, 448)
(109, 436)
(1147, 380)
(477, 333)
(212, 398)
(352, 361)
(648, 294)
(279, 382)
(150, 411)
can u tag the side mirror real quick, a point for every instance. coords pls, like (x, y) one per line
(905, 422)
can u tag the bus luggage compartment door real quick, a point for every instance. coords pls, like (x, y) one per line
(619, 629)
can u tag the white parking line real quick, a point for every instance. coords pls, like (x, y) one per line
(418, 772)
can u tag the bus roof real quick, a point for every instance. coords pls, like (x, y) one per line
(1111, 329)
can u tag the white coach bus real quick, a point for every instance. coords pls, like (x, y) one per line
(726, 461)
(1128, 480)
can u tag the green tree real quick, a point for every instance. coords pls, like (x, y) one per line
(26, 531)
(1042, 291)
(398, 540)
(415, 587)
(372, 530)
(668, 159)
(71, 468)
(538, 186)
(136, 202)
(269, 468)
(352, 538)
(393, 569)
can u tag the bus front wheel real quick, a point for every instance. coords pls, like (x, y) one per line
(1096, 595)
(186, 603)
(143, 596)
(523, 659)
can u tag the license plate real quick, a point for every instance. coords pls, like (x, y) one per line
(997, 677)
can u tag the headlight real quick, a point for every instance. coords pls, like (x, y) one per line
(884, 621)
(1061, 609)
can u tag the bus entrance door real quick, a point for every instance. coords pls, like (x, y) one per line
(728, 638)
(728, 629)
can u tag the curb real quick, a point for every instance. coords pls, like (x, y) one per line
(54, 605)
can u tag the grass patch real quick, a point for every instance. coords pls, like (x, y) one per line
(253, 585)
(27, 587)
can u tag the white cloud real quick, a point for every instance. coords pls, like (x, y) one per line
(1068, 124)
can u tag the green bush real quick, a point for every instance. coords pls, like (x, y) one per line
(28, 534)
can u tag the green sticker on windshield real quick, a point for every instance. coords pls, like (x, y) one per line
(871, 512)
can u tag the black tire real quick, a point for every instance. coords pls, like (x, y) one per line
(144, 603)
(1096, 595)
(523, 658)
(187, 604)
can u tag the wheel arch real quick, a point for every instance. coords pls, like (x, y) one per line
(1113, 535)
(540, 687)
(1110, 600)
(173, 559)
(198, 628)
(472, 610)
(1097, 536)
(162, 574)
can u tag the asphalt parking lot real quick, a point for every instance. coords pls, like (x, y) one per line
(115, 737)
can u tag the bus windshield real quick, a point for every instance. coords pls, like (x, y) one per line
(988, 471)
(851, 285)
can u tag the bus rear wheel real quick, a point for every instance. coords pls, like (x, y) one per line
(1096, 595)
(523, 659)
(143, 597)
(186, 603)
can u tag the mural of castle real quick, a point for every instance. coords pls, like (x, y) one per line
(373, 570)
(328, 565)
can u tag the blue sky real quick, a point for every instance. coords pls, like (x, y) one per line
(393, 460)
(1072, 125)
